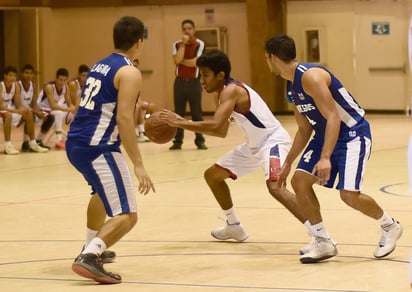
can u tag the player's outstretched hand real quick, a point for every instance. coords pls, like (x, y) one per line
(145, 183)
(170, 117)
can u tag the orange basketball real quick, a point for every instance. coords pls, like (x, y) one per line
(157, 130)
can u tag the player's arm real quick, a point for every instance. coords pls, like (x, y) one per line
(316, 83)
(75, 100)
(18, 108)
(128, 81)
(70, 105)
(217, 126)
(302, 136)
(48, 91)
(34, 105)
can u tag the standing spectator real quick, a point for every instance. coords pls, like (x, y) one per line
(105, 119)
(13, 113)
(340, 147)
(187, 87)
(55, 100)
(29, 99)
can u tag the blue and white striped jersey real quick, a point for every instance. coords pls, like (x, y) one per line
(95, 122)
(349, 110)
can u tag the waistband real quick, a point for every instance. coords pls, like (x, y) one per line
(186, 79)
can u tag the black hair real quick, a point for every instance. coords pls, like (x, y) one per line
(188, 21)
(126, 32)
(282, 46)
(215, 60)
(27, 67)
(62, 72)
(83, 68)
(10, 69)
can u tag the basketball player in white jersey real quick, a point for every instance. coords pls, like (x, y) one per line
(267, 142)
(55, 100)
(29, 100)
(76, 85)
(335, 140)
(141, 111)
(13, 113)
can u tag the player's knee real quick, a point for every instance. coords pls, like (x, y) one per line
(213, 175)
(350, 198)
(274, 190)
(47, 124)
(133, 219)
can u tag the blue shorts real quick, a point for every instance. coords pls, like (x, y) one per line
(349, 158)
(108, 174)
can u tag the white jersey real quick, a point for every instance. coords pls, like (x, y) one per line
(8, 94)
(59, 97)
(79, 88)
(258, 123)
(26, 96)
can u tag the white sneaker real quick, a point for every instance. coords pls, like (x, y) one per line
(9, 149)
(323, 248)
(230, 231)
(311, 244)
(141, 138)
(37, 148)
(387, 244)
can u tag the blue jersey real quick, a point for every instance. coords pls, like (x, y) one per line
(95, 122)
(350, 113)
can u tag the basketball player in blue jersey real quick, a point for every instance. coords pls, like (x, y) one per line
(104, 120)
(267, 142)
(340, 147)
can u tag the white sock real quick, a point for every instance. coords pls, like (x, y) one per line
(32, 143)
(140, 128)
(385, 220)
(319, 230)
(308, 226)
(90, 234)
(59, 137)
(8, 143)
(40, 136)
(231, 216)
(96, 246)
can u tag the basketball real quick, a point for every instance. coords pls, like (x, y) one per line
(158, 131)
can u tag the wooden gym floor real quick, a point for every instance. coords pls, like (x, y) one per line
(42, 221)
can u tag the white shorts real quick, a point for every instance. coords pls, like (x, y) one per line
(15, 118)
(244, 160)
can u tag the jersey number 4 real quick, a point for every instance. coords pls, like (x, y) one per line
(92, 87)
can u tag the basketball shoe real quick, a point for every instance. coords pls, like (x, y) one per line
(108, 256)
(90, 266)
(390, 235)
(322, 249)
(141, 138)
(311, 244)
(10, 150)
(60, 145)
(230, 231)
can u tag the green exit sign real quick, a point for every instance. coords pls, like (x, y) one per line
(381, 28)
